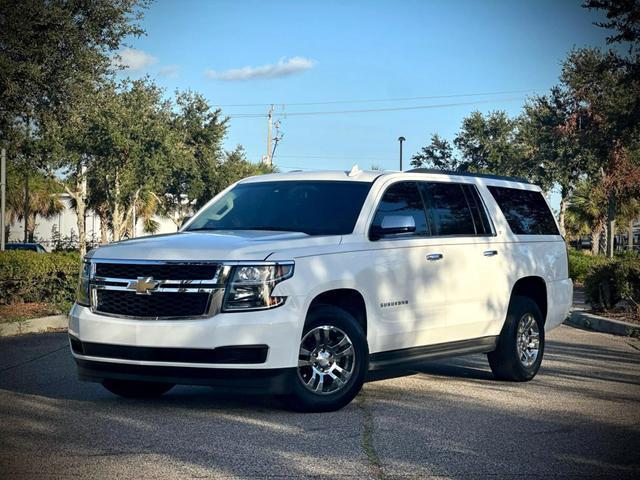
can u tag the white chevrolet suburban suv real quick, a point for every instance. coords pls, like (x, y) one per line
(298, 284)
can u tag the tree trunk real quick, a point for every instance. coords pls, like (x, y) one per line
(116, 219)
(30, 225)
(611, 224)
(81, 209)
(26, 206)
(630, 234)
(564, 199)
(104, 229)
(595, 238)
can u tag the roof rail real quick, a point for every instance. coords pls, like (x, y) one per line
(468, 174)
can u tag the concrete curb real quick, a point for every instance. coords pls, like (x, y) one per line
(589, 321)
(34, 325)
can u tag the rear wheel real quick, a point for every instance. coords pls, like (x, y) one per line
(133, 389)
(521, 343)
(332, 361)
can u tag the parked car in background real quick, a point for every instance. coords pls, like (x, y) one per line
(32, 247)
(300, 283)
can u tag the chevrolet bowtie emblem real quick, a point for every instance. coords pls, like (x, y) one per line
(143, 285)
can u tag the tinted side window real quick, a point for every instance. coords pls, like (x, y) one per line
(449, 212)
(402, 199)
(526, 212)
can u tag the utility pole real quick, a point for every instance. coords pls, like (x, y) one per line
(3, 194)
(401, 139)
(269, 126)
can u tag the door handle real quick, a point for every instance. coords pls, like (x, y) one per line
(490, 253)
(434, 256)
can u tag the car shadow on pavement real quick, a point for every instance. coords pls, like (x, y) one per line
(448, 418)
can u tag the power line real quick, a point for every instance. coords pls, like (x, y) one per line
(367, 110)
(375, 100)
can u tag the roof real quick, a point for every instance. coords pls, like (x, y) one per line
(324, 175)
(367, 175)
(469, 174)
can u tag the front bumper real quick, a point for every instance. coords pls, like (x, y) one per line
(262, 381)
(191, 351)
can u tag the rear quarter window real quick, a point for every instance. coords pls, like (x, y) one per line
(526, 211)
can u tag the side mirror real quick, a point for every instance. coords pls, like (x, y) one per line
(392, 225)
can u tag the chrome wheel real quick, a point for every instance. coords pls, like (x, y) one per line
(528, 340)
(326, 360)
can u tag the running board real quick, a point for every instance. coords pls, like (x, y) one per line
(408, 356)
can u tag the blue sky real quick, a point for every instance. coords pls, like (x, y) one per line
(286, 52)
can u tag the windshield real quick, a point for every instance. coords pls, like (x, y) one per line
(312, 207)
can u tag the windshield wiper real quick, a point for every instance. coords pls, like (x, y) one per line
(270, 229)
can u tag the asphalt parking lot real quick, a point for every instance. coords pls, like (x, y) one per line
(580, 417)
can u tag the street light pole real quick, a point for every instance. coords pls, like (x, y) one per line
(401, 139)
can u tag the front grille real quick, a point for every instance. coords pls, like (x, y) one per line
(167, 271)
(158, 304)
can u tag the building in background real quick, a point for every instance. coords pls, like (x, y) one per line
(63, 228)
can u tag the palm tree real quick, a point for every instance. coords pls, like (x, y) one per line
(43, 199)
(587, 211)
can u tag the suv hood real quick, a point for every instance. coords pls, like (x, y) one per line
(218, 245)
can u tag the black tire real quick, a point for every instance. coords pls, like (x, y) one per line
(301, 398)
(505, 361)
(133, 389)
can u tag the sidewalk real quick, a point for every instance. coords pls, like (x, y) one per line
(34, 325)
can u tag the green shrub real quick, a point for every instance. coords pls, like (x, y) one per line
(616, 279)
(580, 263)
(38, 277)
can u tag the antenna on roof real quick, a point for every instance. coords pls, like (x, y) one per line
(355, 171)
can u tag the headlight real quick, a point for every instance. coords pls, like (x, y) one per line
(82, 297)
(251, 286)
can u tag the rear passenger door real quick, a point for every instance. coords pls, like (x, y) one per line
(459, 223)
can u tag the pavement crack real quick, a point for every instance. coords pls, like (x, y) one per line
(367, 437)
(11, 367)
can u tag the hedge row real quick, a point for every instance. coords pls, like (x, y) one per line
(580, 263)
(38, 277)
(612, 281)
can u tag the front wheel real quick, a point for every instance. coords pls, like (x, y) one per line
(332, 361)
(133, 389)
(521, 343)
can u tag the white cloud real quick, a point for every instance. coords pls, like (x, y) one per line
(134, 60)
(283, 68)
(169, 71)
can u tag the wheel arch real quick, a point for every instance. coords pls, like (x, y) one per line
(348, 299)
(535, 288)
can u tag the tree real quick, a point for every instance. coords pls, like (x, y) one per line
(484, 144)
(607, 84)
(52, 53)
(601, 85)
(236, 167)
(49, 48)
(132, 144)
(43, 199)
(201, 130)
(551, 128)
(437, 154)
(587, 211)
